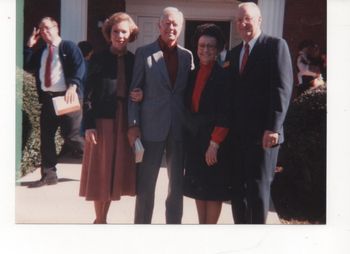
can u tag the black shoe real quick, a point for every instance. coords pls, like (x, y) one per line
(49, 178)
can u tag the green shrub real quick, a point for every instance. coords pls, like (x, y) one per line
(299, 191)
(31, 125)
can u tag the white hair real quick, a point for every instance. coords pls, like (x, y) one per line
(252, 6)
(174, 10)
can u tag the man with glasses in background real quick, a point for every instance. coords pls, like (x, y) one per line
(59, 68)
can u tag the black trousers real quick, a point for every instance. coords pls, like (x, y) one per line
(254, 169)
(49, 123)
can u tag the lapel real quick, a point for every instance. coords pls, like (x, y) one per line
(208, 88)
(181, 67)
(159, 59)
(190, 87)
(236, 55)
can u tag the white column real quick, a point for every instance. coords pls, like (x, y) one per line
(272, 12)
(74, 20)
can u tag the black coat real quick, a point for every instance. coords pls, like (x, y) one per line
(101, 86)
(214, 105)
(202, 181)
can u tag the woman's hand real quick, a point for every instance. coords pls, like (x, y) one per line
(34, 38)
(91, 136)
(136, 95)
(211, 154)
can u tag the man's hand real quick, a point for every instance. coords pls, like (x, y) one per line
(270, 139)
(91, 136)
(71, 94)
(34, 38)
(133, 133)
(136, 95)
(211, 154)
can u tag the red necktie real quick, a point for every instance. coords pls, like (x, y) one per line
(48, 67)
(245, 58)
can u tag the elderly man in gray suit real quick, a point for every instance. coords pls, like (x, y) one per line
(161, 70)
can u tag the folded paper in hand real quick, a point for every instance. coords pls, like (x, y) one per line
(138, 150)
(62, 107)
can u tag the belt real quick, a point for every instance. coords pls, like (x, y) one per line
(54, 94)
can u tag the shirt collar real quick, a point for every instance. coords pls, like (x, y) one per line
(252, 41)
(165, 47)
(56, 42)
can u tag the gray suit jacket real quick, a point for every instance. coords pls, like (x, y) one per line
(162, 107)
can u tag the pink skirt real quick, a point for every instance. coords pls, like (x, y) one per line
(108, 168)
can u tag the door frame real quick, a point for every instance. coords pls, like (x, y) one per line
(222, 10)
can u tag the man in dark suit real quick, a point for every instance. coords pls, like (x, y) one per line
(59, 68)
(262, 80)
(161, 70)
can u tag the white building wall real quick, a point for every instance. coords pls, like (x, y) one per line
(74, 15)
(272, 12)
(74, 20)
(222, 10)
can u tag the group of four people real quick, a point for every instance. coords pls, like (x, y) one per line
(220, 128)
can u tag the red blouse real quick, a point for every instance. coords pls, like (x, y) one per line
(219, 133)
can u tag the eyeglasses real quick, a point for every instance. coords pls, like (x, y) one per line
(46, 28)
(208, 46)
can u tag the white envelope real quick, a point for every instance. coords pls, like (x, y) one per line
(139, 150)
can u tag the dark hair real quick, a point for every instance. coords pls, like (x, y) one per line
(306, 44)
(117, 18)
(210, 30)
(85, 47)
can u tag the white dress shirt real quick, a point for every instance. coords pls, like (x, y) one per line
(58, 83)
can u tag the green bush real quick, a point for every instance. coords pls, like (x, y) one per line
(299, 190)
(31, 124)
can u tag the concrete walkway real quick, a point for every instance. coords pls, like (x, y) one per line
(60, 203)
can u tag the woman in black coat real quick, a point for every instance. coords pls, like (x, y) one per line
(108, 168)
(206, 175)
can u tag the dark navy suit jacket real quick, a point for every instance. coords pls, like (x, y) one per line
(71, 59)
(261, 94)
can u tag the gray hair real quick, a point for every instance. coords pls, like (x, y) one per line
(252, 6)
(52, 20)
(170, 9)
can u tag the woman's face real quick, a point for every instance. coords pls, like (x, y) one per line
(207, 49)
(120, 34)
